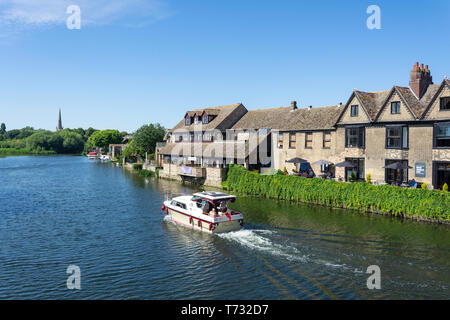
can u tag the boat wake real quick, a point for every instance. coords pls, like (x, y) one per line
(259, 240)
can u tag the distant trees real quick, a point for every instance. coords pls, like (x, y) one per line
(145, 139)
(103, 138)
(2, 129)
(44, 141)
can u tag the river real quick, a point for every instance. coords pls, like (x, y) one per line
(57, 211)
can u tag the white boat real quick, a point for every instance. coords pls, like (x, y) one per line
(204, 211)
(105, 157)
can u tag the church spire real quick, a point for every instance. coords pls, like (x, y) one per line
(59, 127)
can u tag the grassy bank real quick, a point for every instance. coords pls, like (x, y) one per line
(429, 205)
(24, 152)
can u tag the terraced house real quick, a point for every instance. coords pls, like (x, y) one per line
(410, 125)
(404, 124)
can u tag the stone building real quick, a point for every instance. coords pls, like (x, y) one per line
(404, 124)
(410, 125)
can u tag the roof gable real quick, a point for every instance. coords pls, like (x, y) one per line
(345, 117)
(445, 85)
(408, 103)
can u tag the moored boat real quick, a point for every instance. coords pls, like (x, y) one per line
(92, 155)
(204, 211)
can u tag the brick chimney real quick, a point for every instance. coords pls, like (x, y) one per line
(420, 79)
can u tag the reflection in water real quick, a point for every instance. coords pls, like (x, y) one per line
(66, 210)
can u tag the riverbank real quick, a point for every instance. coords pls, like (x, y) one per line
(24, 152)
(416, 204)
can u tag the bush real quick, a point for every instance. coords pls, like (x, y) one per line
(137, 166)
(369, 179)
(424, 186)
(146, 173)
(445, 187)
(414, 203)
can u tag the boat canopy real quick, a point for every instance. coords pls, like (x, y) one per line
(214, 196)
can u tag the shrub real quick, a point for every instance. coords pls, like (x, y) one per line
(137, 166)
(445, 187)
(146, 173)
(424, 186)
(414, 203)
(369, 179)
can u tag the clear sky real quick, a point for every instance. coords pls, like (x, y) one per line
(135, 62)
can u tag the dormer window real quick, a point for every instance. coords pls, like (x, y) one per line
(395, 107)
(354, 111)
(205, 119)
(187, 121)
(196, 119)
(445, 103)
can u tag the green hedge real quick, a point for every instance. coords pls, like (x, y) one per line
(413, 203)
(137, 166)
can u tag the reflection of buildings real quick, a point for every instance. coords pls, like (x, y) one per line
(410, 125)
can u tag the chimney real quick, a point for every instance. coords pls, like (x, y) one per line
(294, 105)
(420, 79)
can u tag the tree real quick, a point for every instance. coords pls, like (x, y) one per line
(103, 138)
(12, 134)
(2, 129)
(89, 131)
(45, 140)
(146, 137)
(73, 142)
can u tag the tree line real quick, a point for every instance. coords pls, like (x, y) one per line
(77, 141)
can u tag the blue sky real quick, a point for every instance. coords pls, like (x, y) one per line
(136, 62)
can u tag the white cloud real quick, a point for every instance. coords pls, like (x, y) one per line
(32, 13)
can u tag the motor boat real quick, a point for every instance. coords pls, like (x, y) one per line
(105, 157)
(204, 211)
(92, 155)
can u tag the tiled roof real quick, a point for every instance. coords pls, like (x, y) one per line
(263, 118)
(315, 118)
(225, 118)
(372, 101)
(411, 100)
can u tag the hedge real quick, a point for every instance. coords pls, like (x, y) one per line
(417, 204)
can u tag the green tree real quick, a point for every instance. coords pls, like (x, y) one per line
(2, 129)
(103, 138)
(73, 142)
(89, 131)
(12, 134)
(146, 137)
(45, 140)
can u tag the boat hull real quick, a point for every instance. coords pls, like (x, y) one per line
(204, 225)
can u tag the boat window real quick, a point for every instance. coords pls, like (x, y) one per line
(178, 204)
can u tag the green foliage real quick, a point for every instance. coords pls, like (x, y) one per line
(414, 203)
(45, 140)
(2, 129)
(424, 186)
(146, 173)
(145, 139)
(103, 138)
(369, 179)
(445, 187)
(137, 166)
(352, 177)
(72, 142)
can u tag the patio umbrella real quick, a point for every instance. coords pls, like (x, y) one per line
(397, 166)
(322, 163)
(297, 160)
(345, 164)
